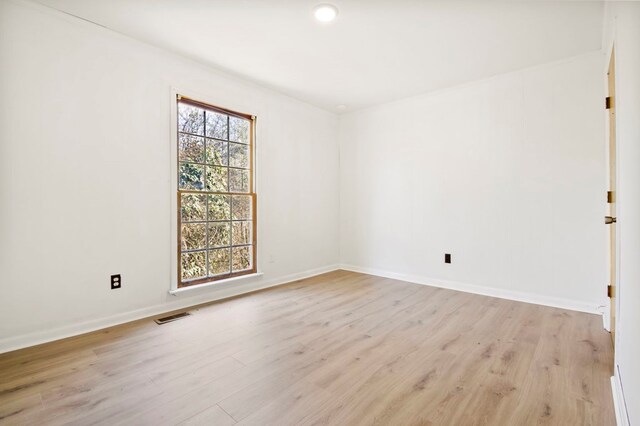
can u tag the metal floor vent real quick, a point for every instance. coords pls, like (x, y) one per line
(171, 318)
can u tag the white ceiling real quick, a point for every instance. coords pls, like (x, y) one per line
(374, 52)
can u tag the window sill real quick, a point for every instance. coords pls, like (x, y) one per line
(248, 277)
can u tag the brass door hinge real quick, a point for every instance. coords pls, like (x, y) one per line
(610, 197)
(609, 291)
(607, 102)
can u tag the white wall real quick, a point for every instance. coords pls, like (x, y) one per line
(507, 175)
(85, 176)
(622, 27)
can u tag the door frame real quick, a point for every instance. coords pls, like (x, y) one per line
(612, 228)
(613, 304)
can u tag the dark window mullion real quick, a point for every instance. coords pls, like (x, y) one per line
(216, 221)
(197, 191)
(192, 134)
(198, 250)
(215, 165)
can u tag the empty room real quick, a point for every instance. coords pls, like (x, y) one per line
(299, 212)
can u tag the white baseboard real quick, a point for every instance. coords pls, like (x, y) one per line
(606, 317)
(173, 303)
(537, 299)
(619, 404)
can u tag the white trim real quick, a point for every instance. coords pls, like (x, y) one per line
(537, 299)
(619, 404)
(175, 303)
(173, 195)
(191, 289)
(605, 311)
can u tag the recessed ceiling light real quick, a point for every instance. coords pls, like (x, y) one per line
(341, 107)
(325, 12)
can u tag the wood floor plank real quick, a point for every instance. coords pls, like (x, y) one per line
(211, 416)
(340, 348)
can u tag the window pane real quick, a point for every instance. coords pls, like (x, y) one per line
(217, 179)
(241, 233)
(191, 176)
(219, 234)
(219, 261)
(193, 236)
(193, 265)
(239, 130)
(241, 207)
(219, 207)
(216, 125)
(217, 152)
(193, 207)
(238, 155)
(190, 119)
(241, 258)
(238, 180)
(191, 148)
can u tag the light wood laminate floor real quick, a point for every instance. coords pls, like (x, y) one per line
(341, 348)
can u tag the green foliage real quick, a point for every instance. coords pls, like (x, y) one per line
(217, 152)
(193, 207)
(219, 206)
(217, 179)
(191, 176)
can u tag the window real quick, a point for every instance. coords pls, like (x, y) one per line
(216, 198)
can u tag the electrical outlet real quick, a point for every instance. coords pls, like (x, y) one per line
(447, 258)
(116, 281)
